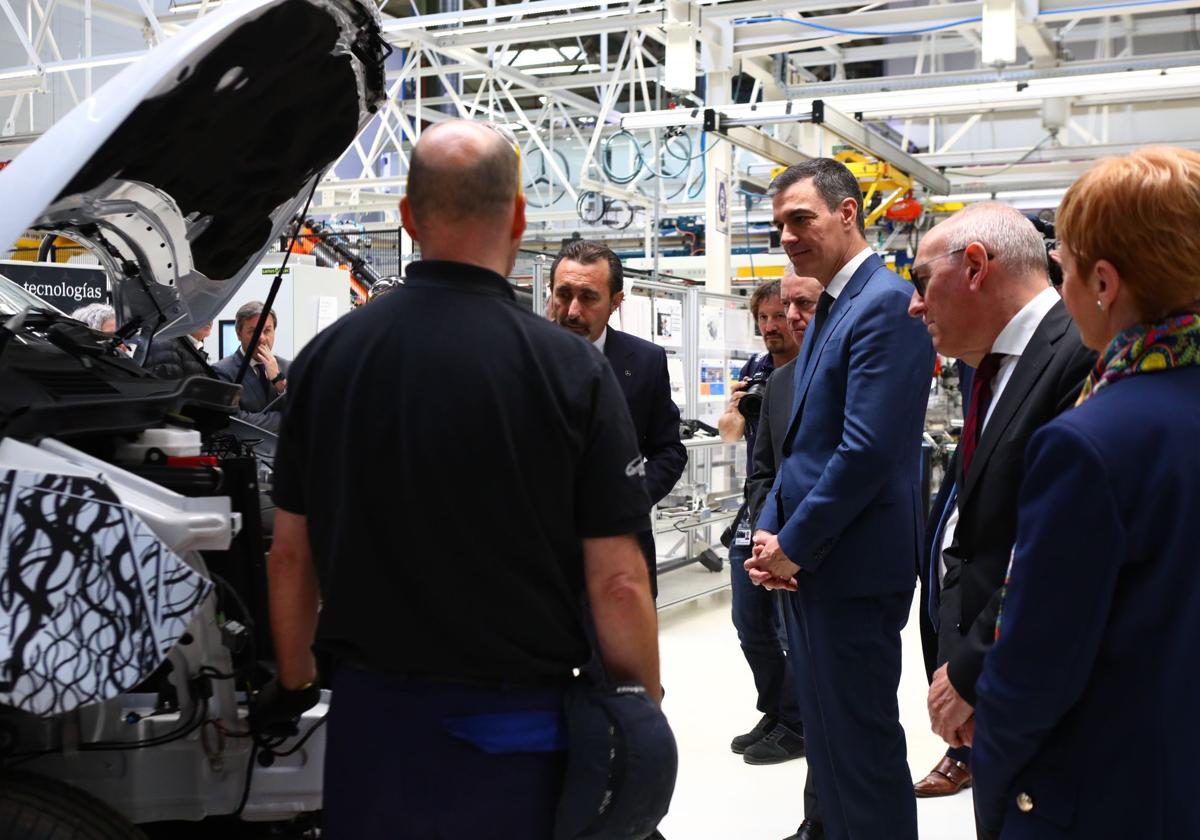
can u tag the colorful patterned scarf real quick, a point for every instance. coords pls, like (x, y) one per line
(1147, 348)
(1143, 348)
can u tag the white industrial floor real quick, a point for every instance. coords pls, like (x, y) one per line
(710, 698)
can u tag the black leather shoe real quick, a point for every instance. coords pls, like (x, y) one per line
(808, 831)
(779, 745)
(760, 730)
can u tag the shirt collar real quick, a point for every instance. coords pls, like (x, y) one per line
(843, 276)
(255, 364)
(456, 276)
(602, 340)
(1015, 336)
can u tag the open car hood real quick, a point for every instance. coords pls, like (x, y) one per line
(183, 169)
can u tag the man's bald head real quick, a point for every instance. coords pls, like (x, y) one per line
(461, 171)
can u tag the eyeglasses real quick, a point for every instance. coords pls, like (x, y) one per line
(921, 280)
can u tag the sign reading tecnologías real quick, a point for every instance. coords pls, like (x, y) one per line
(66, 287)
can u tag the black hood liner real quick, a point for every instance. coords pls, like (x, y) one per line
(213, 150)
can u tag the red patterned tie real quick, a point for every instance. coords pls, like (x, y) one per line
(981, 397)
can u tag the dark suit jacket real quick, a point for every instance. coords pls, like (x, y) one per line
(1088, 699)
(774, 418)
(257, 394)
(846, 504)
(1045, 382)
(641, 368)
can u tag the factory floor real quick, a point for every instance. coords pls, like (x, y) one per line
(710, 698)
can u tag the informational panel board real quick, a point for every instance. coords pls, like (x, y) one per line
(65, 287)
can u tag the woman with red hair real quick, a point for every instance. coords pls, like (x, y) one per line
(1088, 721)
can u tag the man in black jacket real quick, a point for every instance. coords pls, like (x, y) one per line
(177, 358)
(586, 288)
(982, 290)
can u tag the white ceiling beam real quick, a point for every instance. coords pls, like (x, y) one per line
(541, 30)
(493, 14)
(109, 11)
(522, 80)
(19, 31)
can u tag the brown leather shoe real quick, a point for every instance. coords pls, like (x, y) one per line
(947, 779)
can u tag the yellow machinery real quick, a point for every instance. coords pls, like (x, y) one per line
(875, 176)
(26, 249)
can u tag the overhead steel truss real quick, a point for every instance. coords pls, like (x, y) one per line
(568, 75)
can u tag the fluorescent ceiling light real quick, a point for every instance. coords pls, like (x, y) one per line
(1151, 83)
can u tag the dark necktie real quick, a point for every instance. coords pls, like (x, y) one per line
(981, 398)
(268, 388)
(822, 315)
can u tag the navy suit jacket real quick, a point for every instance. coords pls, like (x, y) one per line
(846, 503)
(641, 368)
(1088, 699)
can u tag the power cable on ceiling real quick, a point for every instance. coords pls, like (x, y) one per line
(1007, 167)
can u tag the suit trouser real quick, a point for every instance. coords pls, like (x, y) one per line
(394, 772)
(758, 619)
(846, 664)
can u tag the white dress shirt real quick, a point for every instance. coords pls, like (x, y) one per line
(1012, 341)
(840, 279)
(602, 340)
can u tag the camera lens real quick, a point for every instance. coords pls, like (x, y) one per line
(750, 405)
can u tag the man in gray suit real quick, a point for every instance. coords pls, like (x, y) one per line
(266, 378)
(799, 296)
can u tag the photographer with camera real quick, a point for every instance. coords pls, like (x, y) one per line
(778, 735)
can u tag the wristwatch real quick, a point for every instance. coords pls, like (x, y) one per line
(279, 377)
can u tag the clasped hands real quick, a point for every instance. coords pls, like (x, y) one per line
(768, 566)
(950, 716)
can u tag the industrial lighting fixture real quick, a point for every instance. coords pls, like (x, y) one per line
(1154, 84)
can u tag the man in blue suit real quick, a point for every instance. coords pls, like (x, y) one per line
(841, 527)
(586, 287)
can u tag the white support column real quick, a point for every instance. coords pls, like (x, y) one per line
(718, 163)
(999, 33)
(681, 27)
(1009, 22)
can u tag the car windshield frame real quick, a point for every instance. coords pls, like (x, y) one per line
(15, 298)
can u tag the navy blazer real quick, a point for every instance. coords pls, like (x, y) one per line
(1088, 699)
(641, 368)
(256, 394)
(847, 503)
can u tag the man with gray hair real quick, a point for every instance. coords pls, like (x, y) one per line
(983, 292)
(98, 316)
(266, 378)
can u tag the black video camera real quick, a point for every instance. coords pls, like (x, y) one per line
(756, 388)
(1046, 229)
